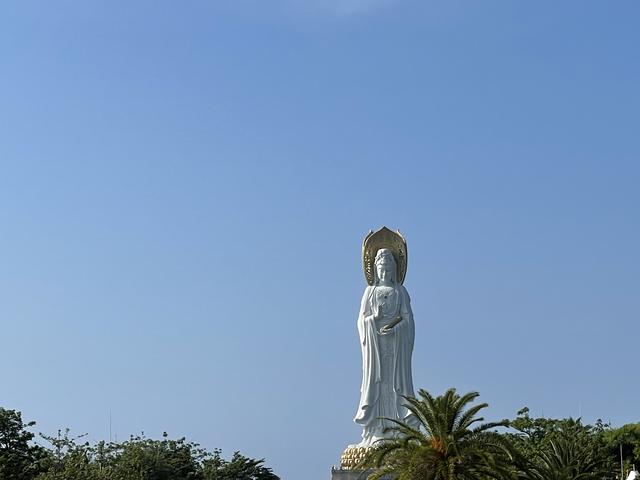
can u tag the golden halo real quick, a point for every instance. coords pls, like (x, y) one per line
(384, 238)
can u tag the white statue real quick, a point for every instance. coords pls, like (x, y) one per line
(386, 330)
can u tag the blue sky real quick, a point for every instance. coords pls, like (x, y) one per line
(184, 188)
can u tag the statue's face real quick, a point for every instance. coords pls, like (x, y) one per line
(385, 271)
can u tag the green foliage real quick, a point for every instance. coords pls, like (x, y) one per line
(560, 449)
(444, 439)
(216, 468)
(447, 441)
(139, 458)
(19, 460)
(627, 436)
(566, 459)
(143, 458)
(535, 435)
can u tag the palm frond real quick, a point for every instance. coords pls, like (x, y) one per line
(443, 445)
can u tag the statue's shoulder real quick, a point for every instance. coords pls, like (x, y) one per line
(368, 290)
(368, 293)
(366, 296)
(403, 291)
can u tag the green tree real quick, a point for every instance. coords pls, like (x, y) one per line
(565, 459)
(448, 442)
(141, 458)
(550, 448)
(68, 459)
(238, 468)
(19, 460)
(627, 439)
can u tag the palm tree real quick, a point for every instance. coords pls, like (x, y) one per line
(445, 440)
(565, 459)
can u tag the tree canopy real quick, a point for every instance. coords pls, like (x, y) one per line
(444, 439)
(66, 457)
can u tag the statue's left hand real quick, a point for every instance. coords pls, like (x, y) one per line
(388, 327)
(385, 330)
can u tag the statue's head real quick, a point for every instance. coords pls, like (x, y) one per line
(385, 266)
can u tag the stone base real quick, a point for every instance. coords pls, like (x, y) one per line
(341, 474)
(344, 474)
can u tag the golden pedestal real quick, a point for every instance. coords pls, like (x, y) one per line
(352, 457)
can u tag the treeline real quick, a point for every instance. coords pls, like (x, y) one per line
(449, 441)
(64, 457)
(568, 445)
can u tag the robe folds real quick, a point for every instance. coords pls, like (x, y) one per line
(404, 334)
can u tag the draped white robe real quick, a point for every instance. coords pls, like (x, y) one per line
(372, 369)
